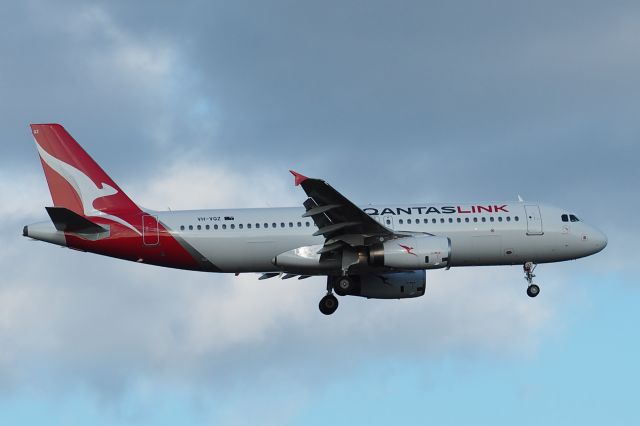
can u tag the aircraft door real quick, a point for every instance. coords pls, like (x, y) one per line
(150, 234)
(534, 220)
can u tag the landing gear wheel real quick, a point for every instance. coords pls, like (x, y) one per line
(533, 290)
(328, 304)
(344, 285)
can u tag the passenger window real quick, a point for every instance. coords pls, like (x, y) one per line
(409, 221)
(215, 226)
(307, 223)
(432, 220)
(484, 219)
(182, 227)
(281, 224)
(466, 219)
(275, 225)
(199, 227)
(565, 217)
(233, 226)
(508, 218)
(224, 226)
(240, 226)
(248, 226)
(573, 218)
(299, 224)
(491, 219)
(190, 227)
(257, 226)
(442, 220)
(290, 224)
(499, 218)
(400, 221)
(266, 225)
(450, 220)
(516, 218)
(207, 227)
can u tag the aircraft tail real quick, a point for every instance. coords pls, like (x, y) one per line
(91, 213)
(75, 180)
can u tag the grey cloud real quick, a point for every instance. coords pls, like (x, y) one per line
(478, 101)
(387, 101)
(74, 318)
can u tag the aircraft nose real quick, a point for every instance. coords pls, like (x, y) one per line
(600, 240)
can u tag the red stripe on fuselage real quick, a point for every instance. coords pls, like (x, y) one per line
(123, 243)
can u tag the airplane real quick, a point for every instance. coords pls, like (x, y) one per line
(373, 251)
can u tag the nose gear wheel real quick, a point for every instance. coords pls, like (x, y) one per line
(532, 289)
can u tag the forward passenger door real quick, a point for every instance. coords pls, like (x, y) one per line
(534, 220)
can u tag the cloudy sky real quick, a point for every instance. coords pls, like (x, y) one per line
(208, 104)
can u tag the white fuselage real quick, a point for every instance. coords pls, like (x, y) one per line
(247, 240)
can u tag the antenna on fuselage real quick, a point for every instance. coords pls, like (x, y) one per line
(520, 199)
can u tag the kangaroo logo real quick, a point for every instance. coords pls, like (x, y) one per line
(408, 249)
(86, 189)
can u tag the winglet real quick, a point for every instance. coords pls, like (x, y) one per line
(298, 177)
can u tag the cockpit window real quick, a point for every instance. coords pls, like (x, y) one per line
(573, 218)
(565, 218)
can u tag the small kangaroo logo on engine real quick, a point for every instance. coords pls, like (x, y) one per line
(408, 249)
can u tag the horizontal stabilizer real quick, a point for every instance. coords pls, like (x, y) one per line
(67, 221)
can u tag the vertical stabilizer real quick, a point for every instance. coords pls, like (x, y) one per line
(76, 181)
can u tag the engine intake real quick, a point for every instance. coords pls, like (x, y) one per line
(423, 252)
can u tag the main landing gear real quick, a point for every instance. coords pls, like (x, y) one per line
(342, 286)
(532, 289)
(328, 304)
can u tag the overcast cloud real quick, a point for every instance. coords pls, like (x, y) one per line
(208, 105)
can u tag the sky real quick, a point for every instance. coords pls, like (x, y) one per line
(207, 104)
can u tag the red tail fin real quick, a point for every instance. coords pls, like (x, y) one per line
(76, 181)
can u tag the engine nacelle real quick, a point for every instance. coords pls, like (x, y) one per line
(422, 252)
(398, 285)
(305, 259)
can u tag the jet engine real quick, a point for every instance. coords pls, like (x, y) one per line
(422, 252)
(398, 285)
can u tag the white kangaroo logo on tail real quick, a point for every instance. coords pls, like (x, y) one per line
(86, 189)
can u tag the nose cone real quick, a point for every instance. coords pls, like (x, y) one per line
(599, 239)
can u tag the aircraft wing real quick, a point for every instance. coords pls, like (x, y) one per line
(334, 214)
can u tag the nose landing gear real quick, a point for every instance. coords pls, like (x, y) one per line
(532, 289)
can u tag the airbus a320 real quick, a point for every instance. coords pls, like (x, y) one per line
(380, 252)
